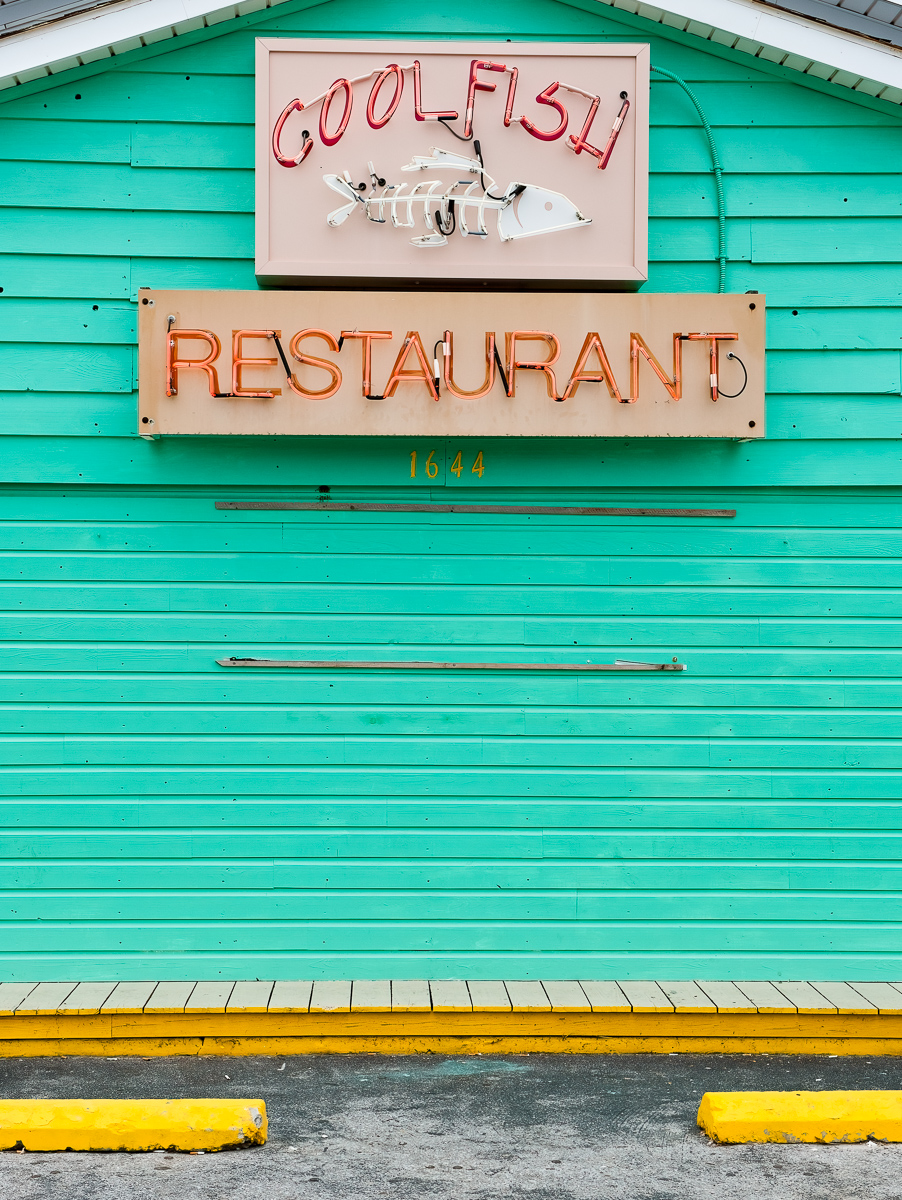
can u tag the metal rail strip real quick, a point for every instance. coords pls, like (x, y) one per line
(525, 509)
(350, 665)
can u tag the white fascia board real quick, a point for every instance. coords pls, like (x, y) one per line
(766, 28)
(113, 28)
(803, 44)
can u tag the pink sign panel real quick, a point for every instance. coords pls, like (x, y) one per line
(494, 163)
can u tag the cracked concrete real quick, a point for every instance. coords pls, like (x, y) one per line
(426, 1127)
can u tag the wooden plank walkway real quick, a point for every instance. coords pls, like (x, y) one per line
(451, 995)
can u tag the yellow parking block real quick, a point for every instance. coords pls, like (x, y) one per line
(131, 1124)
(801, 1116)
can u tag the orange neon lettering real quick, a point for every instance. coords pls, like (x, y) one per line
(514, 364)
(175, 364)
(639, 347)
(411, 343)
(366, 336)
(714, 354)
(604, 374)
(239, 362)
(308, 360)
(448, 368)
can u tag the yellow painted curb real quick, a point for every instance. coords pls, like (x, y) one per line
(801, 1116)
(131, 1124)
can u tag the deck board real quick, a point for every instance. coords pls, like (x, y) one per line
(686, 996)
(45, 999)
(250, 996)
(488, 995)
(605, 996)
(765, 996)
(527, 995)
(645, 995)
(726, 996)
(410, 995)
(128, 997)
(805, 997)
(565, 995)
(844, 997)
(291, 996)
(169, 997)
(332, 995)
(86, 999)
(12, 995)
(450, 995)
(371, 995)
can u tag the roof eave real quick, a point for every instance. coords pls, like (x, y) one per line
(771, 34)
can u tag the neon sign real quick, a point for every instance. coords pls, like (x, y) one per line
(523, 141)
(345, 362)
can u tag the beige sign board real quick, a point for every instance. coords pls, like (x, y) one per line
(361, 171)
(573, 364)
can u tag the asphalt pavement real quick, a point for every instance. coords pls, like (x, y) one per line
(430, 1127)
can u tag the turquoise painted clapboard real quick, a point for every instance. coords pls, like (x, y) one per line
(165, 818)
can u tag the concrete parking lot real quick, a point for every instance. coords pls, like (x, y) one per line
(427, 1127)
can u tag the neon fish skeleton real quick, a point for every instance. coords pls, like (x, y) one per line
(523, 209)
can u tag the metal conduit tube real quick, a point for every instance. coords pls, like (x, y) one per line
(718, 175)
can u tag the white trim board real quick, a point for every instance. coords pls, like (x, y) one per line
(775, 36)
(781, 37)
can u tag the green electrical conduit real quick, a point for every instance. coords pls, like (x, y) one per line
(718, 175)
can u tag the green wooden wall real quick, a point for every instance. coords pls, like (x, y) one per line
(163, 818)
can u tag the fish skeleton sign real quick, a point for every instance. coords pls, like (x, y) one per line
(563, 128)
(523, 209)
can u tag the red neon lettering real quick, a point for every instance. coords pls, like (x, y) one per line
(604, 374)
(581, 142)
(392, 69)
(447, 369)
(547, 97)
(367, 336)
(239, 362)
(714, 352)
(443, 115)
(639, 347)
(411, 342)
(309, 361)
(477, 85)
(283, 159)
(514, 364)
(337, 86)
(175, 364)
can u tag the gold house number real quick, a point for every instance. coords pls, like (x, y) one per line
(456, 467)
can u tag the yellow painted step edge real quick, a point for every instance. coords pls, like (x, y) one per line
(131, 1124)
(737, 1117)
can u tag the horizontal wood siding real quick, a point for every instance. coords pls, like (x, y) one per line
(163, 818)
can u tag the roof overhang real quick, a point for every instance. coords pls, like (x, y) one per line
(770, 34)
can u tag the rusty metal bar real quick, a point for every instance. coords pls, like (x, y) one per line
(525, 509)
(351, 665)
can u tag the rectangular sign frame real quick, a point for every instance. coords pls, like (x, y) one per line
(336, 363)
(551, 145)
